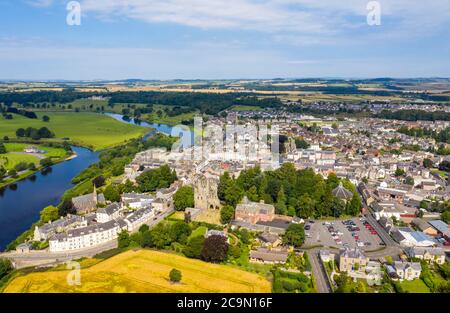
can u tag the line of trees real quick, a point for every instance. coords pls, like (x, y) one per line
(293, 192)
(34, 133)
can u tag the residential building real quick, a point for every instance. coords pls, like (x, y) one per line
(407, 270)
(431, 255)
(352, 260)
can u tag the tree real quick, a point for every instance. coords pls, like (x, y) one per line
(183, 198)
(162, 235)
(445, 216)
(215, 249)
(233, 194)
(409, 180)
(151, 180)
(45, 118)
(226, 214)
(354, 206)
(66, 207)
(175, 276)
(99, 181)
(294, 235)
(301, 144)
(428, 163)
(123, 239)
(444, 166)
(180, 231)
(280, 206)
(46, 162)
(194, 247)
(144, 228)
(20, 132)
(399, 172)
(252, 194)
(224, 182)
(2, 148)
(2, 172)
(111, 193)
(5, 267)
(50, 213)
(12, 173)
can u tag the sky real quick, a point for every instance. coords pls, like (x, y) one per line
(223, 39)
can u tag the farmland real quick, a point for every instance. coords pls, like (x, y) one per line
(144, 271)
(91, 130)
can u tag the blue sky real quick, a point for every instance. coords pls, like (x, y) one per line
(215, 39)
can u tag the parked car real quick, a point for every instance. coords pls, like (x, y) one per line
(307, 227)
(447, 244)
(374, 232)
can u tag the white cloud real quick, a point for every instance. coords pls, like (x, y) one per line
(40, 3)
(296, 16)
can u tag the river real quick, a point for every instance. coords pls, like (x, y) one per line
(21, 203)
(186, 135)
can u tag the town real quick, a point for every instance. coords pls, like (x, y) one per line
(357, 205)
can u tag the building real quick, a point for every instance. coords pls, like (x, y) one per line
(109, 213)
(424, 226)
(269, 239)
(46, 231)
(138, 218)
(263, 255)
(407, 270)
(352, 260)
(88, 203)
(135, 200)
(431, 255)
(326, 256)
(342, 193)
(408, 238)
(441, 227)
(254, 212)
(86, 237)
(205, 192)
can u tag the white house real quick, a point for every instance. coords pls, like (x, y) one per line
(407, 270)
(109, 213)
(138, 218)
(136, 200)
(431, 255)
(86, 237)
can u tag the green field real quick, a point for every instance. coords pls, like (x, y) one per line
(245, 108)
(91, 130)
(415, 286)
(10, 160)
(199, 231)
(165, 119)
(144, 271)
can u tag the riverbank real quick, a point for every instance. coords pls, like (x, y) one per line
(15, 155)
(21, 205)
(92, 130)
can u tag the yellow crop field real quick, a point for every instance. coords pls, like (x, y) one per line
(144, 271)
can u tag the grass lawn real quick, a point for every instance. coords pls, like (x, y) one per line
(178, 215)
(199, 231)
(245, 108)
(91, 130)
(415, 286)
(49, 151)
(10, 160)
(165, 119)
(144, 271)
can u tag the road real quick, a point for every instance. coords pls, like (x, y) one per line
(46, 258)
(319, 272)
